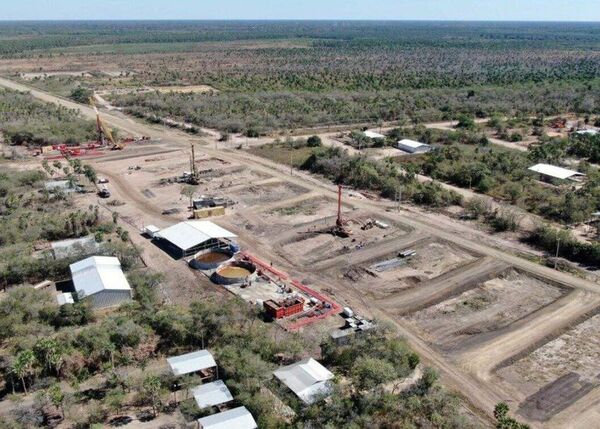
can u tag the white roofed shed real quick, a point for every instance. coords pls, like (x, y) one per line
(100, 280)
(308, 379)
(237, 418)
(191, 362)
(554, 172)
(412, 146)
(211, 394)
(192, 236)
(373, 135)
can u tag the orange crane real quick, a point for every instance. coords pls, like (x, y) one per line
(104, 133)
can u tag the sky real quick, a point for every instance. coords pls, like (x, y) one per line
(494, 10)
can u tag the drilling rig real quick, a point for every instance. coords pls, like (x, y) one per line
(193, 178)
(104, 134)
(341, 226)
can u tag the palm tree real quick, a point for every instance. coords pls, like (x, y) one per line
(23, 366)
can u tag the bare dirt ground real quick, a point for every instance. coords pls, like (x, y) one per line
(432, 260)
(265, 193)
(577, 350)
(480, 313)
(490, 306)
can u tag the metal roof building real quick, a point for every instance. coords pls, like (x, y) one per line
(211, 394)
(190, 237)
(373, 135)
(237, 418)
(412, 146)
(191, 362)
(100, 280)
(554, 172)
(308, 379)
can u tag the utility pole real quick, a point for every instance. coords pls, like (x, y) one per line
(291, 163)
(557, 250)
(398, 198)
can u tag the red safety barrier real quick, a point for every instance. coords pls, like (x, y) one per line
(335, 307)
(265, 266)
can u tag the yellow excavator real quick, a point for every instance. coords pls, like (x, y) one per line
(104, 134)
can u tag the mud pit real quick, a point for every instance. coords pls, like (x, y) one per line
(577, 351)
(432, 260)
(477, 313)
(264, 194)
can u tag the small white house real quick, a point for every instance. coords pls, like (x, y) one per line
(308, 379)
(100, 280)
(237, 418)
(373, 135)
(412, 146)
(191, 362)
(552, 172)
(211, 394)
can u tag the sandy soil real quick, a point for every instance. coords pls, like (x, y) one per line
(577, 350)
(489, 307)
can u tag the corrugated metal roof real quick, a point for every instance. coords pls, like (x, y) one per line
(98, 273)
(191, 362)
(210, 394)
(411, 143)
(238, 418)
(554, 171)
(374, 135)
(307, 379)
(186, 235)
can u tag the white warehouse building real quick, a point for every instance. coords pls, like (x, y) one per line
(412, 146)
(100, 280)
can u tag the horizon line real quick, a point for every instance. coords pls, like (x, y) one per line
(300, 20)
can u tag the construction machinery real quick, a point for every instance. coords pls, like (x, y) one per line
(104, 134)
(341, 226)
(192, 178)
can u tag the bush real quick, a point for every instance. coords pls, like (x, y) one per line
(314, 141)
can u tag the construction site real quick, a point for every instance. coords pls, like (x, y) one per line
(499, 327)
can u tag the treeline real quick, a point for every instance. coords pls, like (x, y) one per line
(26, 121)
(360, 172)
(285, 110)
